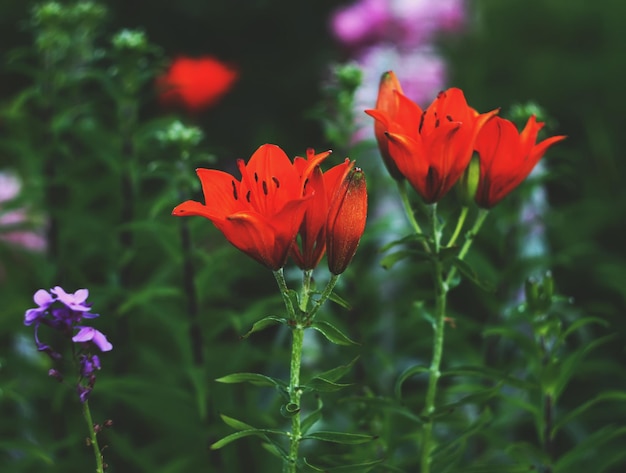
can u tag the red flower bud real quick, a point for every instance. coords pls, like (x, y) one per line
(346, 221)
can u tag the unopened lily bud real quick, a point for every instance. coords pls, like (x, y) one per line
(467, 185)
(346, 221)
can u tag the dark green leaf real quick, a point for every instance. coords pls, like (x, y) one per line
(312, 418)
(414, 237)
(363, 467)
(264, 323)
(491, 374)
(406, 374)
(339, 437)
(236, 424)
(467, 271)
(323, 385)
(387, 404)
(337, 299)
(619, 396)
(245, 433)
(254, 378)
(289, 410)
(337, 373)
(388, 261)
(332, 333)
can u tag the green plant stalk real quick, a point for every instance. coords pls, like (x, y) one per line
(459, 225)
(93, 439)
(295, 392)
(469, 239)
(408, 209)
(328, 290)
(441, 292)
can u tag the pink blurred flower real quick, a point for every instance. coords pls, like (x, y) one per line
(406, 23)
(15, 224)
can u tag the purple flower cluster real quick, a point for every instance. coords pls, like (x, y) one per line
(65, 312)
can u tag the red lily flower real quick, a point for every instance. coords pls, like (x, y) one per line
(431, 147)
(507, 157)
(346, 221)
(387, 102)
(309, 248)
(195, 84)
(261, 214)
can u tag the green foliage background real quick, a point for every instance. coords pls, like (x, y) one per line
(565, 55)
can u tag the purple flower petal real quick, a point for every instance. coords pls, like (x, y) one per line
(43, 298)
(90, 334)
(75, 301)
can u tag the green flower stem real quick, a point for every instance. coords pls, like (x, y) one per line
(295, 392)
(284, 292)
(408, 209)
(328, 290)
(93, 439)
(459, 225)
(469, 239)
(305, 294)
(441, 291)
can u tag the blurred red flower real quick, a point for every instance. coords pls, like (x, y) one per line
(195, 84)
(507, 157)
(431, 148)
(261, 214)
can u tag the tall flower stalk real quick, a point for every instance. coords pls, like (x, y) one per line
(278, 209)
(432, 150)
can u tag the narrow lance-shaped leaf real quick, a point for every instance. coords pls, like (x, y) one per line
(263, 324)
(332, 333)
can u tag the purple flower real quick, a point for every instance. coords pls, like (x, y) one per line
(75, 301)
(44, 300)
(90, 334)
(89, 364)
(63, 312)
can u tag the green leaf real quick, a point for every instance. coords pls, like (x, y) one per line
(264, 323)
(467, 271)
(289, 410)
(254, 378)
(478, 398)
(332, 333)
(356, 467)
(337, 373)
(519, 468)
(339, 437)
(571, 364)
(606, 396)
(390, 260)
(590, 443)
(490, 373)
(444, 450)
(323, 385)
(406, 374)
(245, 433)
(581, 323)
(337, 299)
(414, 237)
(387, 404)
(236, 424)
(312, 418)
